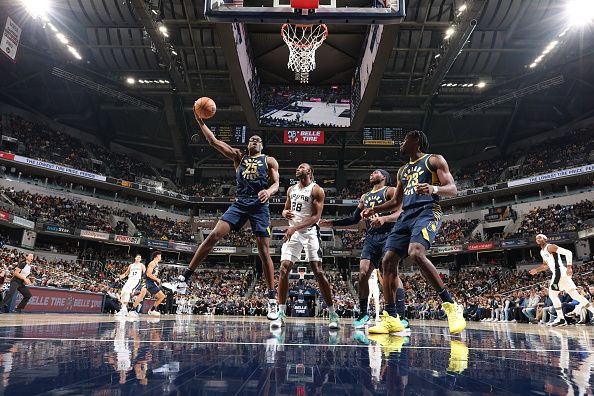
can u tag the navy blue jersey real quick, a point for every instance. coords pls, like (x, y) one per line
(414, 173)
(251, 175)
(370, 200)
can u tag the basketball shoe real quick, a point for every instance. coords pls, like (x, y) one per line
(361, 322)
(455, 315)
(387, 325)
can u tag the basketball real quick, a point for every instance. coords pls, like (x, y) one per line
(205, 108)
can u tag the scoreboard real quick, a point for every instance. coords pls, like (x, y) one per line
(232, 134)
(383, 136)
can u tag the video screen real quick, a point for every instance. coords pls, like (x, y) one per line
(299, 106)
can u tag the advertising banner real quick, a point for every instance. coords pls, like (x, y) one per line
(57, 229)
(480, 246)
(127, 239)
(553, 175)
(447, 249)
(157, 244)
(514, 242)
(10, 39)
(182, 247)
(224, 249)
(4, 216)
(94, 235)
(23, 222)
(304, 137)
(60, 300)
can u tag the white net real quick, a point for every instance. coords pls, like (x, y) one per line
(303, 41)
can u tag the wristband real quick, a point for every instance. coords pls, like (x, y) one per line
(435, 190)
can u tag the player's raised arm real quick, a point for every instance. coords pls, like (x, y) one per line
(347, 221)
(447, 187)
(222, 147)
(125, 274)
(274, 178)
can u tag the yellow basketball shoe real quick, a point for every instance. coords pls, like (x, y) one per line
(458, 357)
(455, 317)
(388, 324)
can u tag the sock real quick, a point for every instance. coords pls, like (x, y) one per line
(331, 310)
(560, 313)
(363, 305)
(188, 274)
(400, 306)
(271, 294)
(282, 308)
(445, 296)
(391, 309)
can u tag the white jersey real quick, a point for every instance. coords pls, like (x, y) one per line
(301, 203)
(135, 271)
(553, 260)
(373, 277)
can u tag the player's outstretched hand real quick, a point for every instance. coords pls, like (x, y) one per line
(569, 270)
(263, 195)
(532, 271)
(367, 213)
(423, 189)
(287, 214)
(325, 223)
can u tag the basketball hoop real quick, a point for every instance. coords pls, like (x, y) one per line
(303, 41)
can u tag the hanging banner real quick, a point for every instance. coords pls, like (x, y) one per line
(57, 229)
(23, 222)
(553, 175)
(224, 249)
(514, 242)
(10, 39)
(447, 249)
(157, 244)
(304, 137)
(94, 235)
(127, 239)
(4, 216)
(182, 247)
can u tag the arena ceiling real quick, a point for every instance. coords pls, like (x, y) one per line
(115, 43)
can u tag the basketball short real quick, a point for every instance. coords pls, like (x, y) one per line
(417, 225)
(131, 286)
(152, 287)
(308, 240)
(373, 248)
(249, 208)
(564, 282)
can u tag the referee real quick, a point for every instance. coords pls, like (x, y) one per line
(19, 282)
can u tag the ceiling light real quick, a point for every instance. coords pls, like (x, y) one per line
(471, 85)
(454, 85)
(52, 27)
(166, 81)
(62, 38)
(481, 84)
(449, 32)
(580, 12)
(173, 52)
(437, 56)
(161, 81)
(155, 12)
(74, 52)
(130, 80)
(163, 30)
(533, 65)
(37, 8)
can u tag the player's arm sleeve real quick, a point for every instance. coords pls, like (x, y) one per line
(354, 219)
(567, 253)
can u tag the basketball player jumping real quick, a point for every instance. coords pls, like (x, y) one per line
(303, 208)
(377, 229)
(151, 284)
(550, 254)
(257, 180)
(420, 184)
(134, 272)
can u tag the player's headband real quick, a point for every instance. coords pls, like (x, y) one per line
(386, 174)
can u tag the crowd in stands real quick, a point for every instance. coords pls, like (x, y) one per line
(568, 151)
(351, 239)
(76, 213)
(455, 232)
(40, 141)
(555, 219)
(243, 237)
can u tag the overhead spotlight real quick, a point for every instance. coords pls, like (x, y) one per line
(161, 81)
(563, 32)
(37, 8)
(449, 33)
(437, 56)
(130, 80)
(74, 52)
(471, 85)
(454, 85)
(174, 52)
(54, 29)
(481, 84)
(166, 81)
(462, 7)
(62, 38)
(580, 12)
(163, 30)
(539, 59)
(155, 12)
(533, 65)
